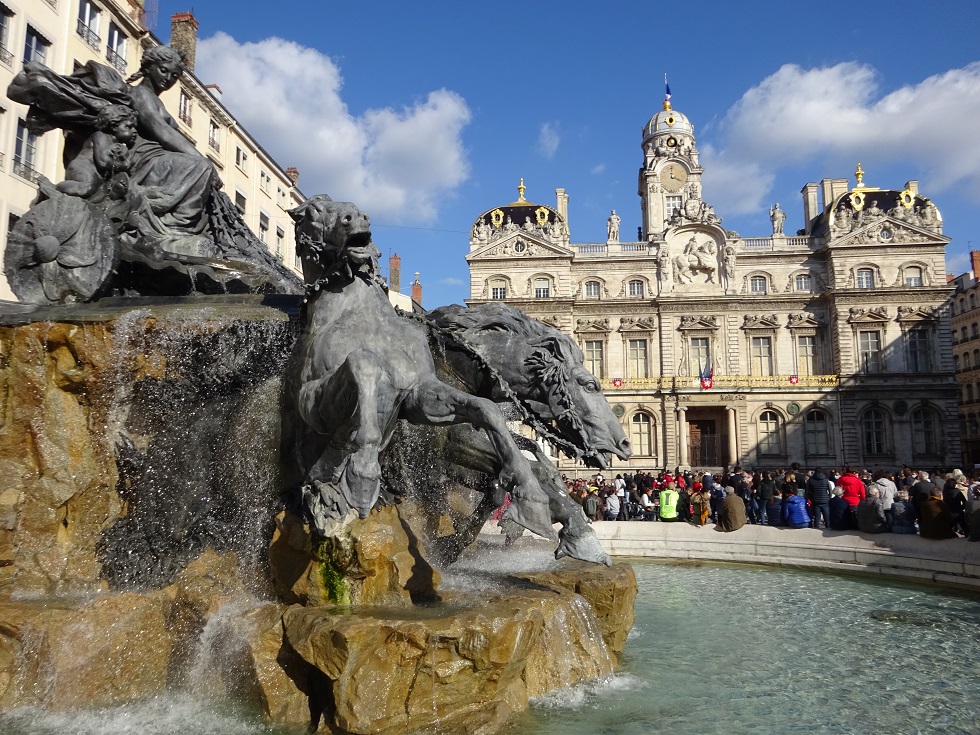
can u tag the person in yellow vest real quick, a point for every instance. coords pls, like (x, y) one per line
(668, 503)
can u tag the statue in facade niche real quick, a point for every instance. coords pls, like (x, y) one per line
(126, 162)
(696, 258)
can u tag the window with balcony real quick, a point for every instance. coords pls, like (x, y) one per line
(115, 50)
(874, 438)
(762, 356)
(25, 153)
(36, 47)
(869, 348)
(637, 358)
(974, 330)
(699, 354)
(214, 136)
(87, 26)
(769, 433)
(973, 301)
(593, 289)
(542, 288)
(758, 284)
(806, 351)
(641, 435)
(635, 288)
(917, 350)
(865, 278)
(594, 357)
(6, 21)
(804, 282)
(184, 107)
(963, 334)
(966, 360)
(816, 433)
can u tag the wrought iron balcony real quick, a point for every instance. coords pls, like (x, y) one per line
(117, 60)
(26, 171)
(670, 382)
(214, 144)
(87, 34)
(185, 115)
(6, 57)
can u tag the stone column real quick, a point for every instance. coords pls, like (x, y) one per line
(682, 436)
(732, 435)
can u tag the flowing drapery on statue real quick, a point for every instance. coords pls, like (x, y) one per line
(126, 160)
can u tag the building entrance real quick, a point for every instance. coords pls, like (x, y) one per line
(703, 443)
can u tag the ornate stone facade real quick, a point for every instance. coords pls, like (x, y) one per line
(826, 347)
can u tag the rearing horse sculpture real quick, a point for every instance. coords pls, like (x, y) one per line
(358, 368)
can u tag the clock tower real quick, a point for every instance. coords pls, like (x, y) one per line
(670, 180)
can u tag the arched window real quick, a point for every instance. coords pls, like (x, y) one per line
(962, 334)
(758, 284)
(817, 434)
(592, 289)
(636, 288)
(956, 363)
(913, 276)
(769, 435)
(542, 288)
(498, 289)
(973, 301)
(976, 357)
(865, 278)
(974, 330)
(972, 424)
(968, 393)
(873, 431)
(966, 360)
(924, 439)
(804, 282)
(641, 435)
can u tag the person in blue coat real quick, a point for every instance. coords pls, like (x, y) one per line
(794, 511)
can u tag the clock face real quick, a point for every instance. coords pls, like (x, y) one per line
(673, 177)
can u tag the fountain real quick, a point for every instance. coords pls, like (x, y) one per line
(220, 479)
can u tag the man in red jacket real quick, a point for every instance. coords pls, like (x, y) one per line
(854, 491)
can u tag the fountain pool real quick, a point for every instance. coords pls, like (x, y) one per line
(740, 650)
(734, 650)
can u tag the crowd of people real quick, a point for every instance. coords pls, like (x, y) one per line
(931, 504)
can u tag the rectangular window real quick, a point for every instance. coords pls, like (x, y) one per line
(240, 202)
(806, 355)
(593, 357)
(917, 350)
(115, 50)
(88, 23)
(762, 356)
(281, 197)
(280, 239)
(542, 288)
(637, 354)
(184, 107)
(265, 181)
(241, 158)
(699, 354)
(869, 345)
(636, 289)
(35, 47)
(263, 227)
(758, 284)
(25, 152)
(672, 203)
(498, 293)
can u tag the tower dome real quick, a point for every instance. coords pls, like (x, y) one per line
(668, 129)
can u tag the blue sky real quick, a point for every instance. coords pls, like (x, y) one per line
(427, 114)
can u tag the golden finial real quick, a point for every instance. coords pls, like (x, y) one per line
(859, 175)
(520, 191)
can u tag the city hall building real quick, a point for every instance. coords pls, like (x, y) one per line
(827, 346)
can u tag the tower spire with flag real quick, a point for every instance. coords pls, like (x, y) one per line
(666, 93)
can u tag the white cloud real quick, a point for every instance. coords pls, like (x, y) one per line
(797, 115)
(395, 164)
(548, 139)
(451, 282)
(597, 169)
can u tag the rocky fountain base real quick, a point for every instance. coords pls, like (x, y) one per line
(138, 551)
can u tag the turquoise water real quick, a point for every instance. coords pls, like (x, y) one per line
(745, 651)
(716, 649)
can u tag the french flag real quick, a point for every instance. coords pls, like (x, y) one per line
(667, 93)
